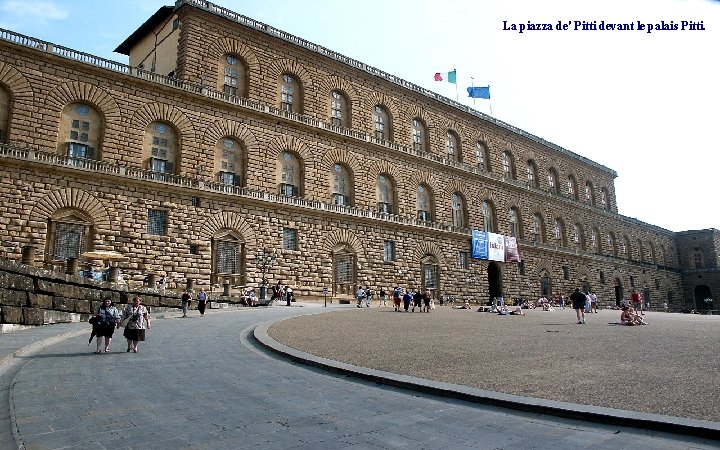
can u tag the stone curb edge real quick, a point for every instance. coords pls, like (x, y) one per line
(13, 359)
(609, 416)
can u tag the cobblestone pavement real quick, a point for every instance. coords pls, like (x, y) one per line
(205, 383)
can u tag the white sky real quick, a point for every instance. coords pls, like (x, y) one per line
(643, 104)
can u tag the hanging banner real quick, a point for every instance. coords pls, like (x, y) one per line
(496, 247)
(479, 244)
(512, 252)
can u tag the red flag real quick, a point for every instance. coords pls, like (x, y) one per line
(438, 77)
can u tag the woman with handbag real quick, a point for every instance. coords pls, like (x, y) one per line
(106, 319)
(135, 320)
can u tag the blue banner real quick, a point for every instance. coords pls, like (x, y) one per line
(479, 244)
(479, 92)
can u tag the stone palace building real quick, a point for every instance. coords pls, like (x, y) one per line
(227, 151)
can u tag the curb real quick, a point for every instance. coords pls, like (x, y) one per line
(597, 414)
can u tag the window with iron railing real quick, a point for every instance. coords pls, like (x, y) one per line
(289, 239)
(157, 222)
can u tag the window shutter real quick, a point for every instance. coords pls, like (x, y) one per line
(169, 167)
(90, 153)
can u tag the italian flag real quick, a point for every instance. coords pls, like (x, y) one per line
(450, 77)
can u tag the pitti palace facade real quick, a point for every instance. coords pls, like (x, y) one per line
(227, 151)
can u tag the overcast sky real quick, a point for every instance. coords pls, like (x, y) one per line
(642, 103)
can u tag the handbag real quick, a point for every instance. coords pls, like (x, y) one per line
(125, 321)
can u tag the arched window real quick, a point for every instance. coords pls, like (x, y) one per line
(161, 148)
(229, 162)
(652, 252)
(233, 78)
(538, 228)
(532, 177)
(341, 185)
(419, 135)
(228, 257)
(572, 187)
(604, 199)
(383, 127)
(458, 211)
(626, 248)
(560, 232)
(291, 175)
(698, 258)
(290, 94)
(611, 244)
(552, 179)
(80, 132)
(385, 192)
(488, 213)
(344, 268)
(515, 223)
(430, 272)
(508, 166)
(70, 234)
(339, 109)
(482, 157)
(578, 236)
(595, 244)
(424, 203)
(662, 255)
(589, 194)
(452, 145)
(640, 250)
(4, 114)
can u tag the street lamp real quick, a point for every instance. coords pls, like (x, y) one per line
(265, 260)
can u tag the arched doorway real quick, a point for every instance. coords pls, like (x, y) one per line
(701, 293)
(619, 292)
(430, 275)
(494, 282)
(545, 285)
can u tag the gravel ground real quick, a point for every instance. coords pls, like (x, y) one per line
(670, 367)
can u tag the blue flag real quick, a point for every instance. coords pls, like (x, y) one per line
(479, 92)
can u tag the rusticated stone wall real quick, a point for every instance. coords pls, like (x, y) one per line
(30, 296)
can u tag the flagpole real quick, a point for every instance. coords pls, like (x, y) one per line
(457, 96)
(472, 84)
(490, 100)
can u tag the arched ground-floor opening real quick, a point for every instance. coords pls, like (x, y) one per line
(494, 282)
(702, 293)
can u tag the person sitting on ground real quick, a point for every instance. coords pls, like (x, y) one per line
(628, 316)
(465, 305)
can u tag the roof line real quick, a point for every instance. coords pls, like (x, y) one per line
(274, 32)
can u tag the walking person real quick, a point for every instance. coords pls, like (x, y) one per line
(368, 296)
(417, 300)
(360, 294)
(578, 300)
(383, 297)
(138, 320)
(185, 300)
(397, 295)
(593, 302)
(636, 298)
(407, 298)
(107, 319)
(202, 301)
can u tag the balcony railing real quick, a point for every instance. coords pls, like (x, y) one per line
(114, 66)
(54, 159)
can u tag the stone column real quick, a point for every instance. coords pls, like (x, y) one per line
(152, 281)
(226, 288)
(114, 274)
(190, 284)
(28, 255)
(72, 266)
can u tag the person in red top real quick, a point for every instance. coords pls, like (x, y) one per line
(637, 301)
